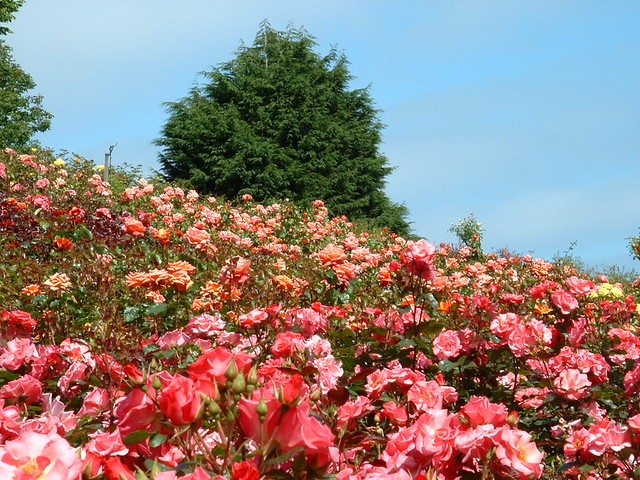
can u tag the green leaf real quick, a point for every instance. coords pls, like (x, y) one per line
(131, 313)
(140, 475)
(586, 468)
(284, 457)
(82, 232)
(406, 342)
(156, 309)
(136, 437)
(157, 440)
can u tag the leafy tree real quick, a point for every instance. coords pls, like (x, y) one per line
(279, 121)
(21, 114)
(469, 232)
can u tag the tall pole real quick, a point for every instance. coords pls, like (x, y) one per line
(107, 162)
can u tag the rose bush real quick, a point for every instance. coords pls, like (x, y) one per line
(148, 332)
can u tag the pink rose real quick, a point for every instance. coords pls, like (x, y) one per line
(179, 400)
(517, 453)
(204, 326)
(76, 373)
(580, 287)
(106, 444)
(572, 384)
(351, 411)
(418, 259)
(394, 412)
(480, 411)
(475, 442)
(212, 365)
(310, 321)
(25, 389)
(18, 352)
(565, 302)
(504, 323)
(634, 422)
(196, 236)
(298, 428)
(35, 455)
(253, 318)
(96, 401)
(137, 412)
(284, 344)
(447, 345)
(427, 394)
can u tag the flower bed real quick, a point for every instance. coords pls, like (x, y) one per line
(148, 332)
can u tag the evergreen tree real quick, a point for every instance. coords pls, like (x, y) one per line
(21, 114)
(279, 121)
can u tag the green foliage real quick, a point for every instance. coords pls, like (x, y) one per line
(469, 232)
(21, 114)
(634, 246)
(7, 10)
(279, 122)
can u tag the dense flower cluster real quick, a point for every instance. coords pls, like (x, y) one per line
(148, 332)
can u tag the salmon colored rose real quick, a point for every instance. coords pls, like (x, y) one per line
(518, 454)
(565, 302)
(179, 400)
(212, 365)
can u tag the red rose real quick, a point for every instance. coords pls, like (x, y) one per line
(245, 471)
(114, 469)
(19, 318)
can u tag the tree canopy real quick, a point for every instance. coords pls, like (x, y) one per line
(280, 121)
(21, 114)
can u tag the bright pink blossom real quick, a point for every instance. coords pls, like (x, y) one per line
(572, 384)
(137, 411)
(447, 345)
(37, 456)
(518, 455)
(579, 287)
(480, 411)
(351, 411)
(565, 302)
(179, 400)
(212, 365)
(26, 389)
(418, 258)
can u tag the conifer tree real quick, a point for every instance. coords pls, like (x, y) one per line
(279, 121)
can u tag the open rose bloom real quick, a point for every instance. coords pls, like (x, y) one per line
(39, 456)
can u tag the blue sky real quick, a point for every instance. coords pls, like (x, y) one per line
(525, 113)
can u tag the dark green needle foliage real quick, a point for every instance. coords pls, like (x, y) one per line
(280, 122)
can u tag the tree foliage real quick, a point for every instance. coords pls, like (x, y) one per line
(21, 114)
(279, 121)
